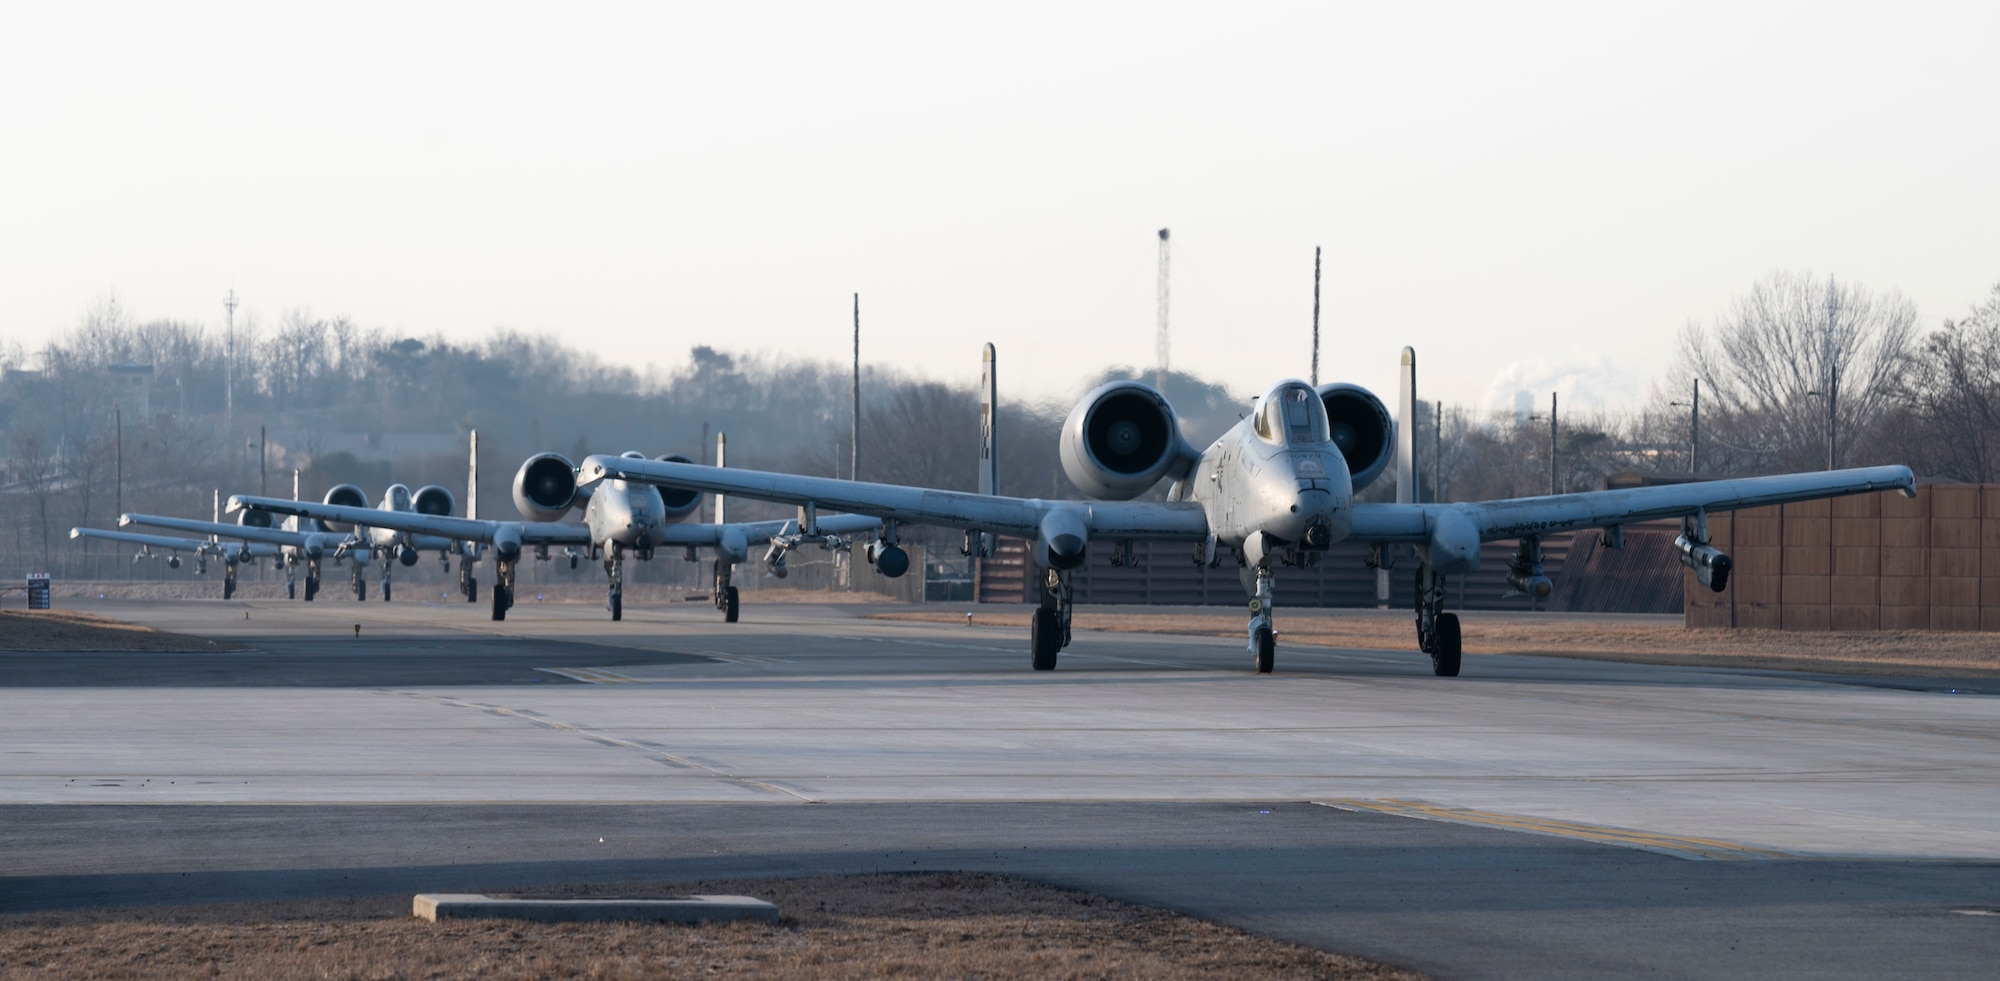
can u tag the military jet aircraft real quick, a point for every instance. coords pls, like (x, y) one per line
(619, 519)
(1275, 490)
(202, 549)
(295, 546)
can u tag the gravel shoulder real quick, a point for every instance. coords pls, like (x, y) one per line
(955, 925)
(67, 630)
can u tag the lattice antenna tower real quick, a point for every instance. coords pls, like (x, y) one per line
(1162, 348)
(229, 365)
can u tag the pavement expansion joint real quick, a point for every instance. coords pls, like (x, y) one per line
(1698, 849)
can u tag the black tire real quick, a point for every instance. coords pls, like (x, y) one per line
(472, 591)
(1045, 639)
(729, 604)
(1444, 663)
(500, 603)
(228, 588)
(361, 590)
(1267, 650)
(312, 589)
(617, 605)
(385, 591)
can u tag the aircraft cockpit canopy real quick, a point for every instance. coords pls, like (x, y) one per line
(399, 497)
(1292, 414)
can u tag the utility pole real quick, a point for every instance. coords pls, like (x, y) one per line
(1161, 350)
(1829, 355)
(854, 451)
(229, 366)
(118, 434)
(1315, 366)
(1437, 454)
(1552, 443)
(1694, 429)
(261, 491)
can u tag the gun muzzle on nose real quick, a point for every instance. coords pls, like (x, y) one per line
(1318, 535)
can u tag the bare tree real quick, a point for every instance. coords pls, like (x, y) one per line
(1796, 372)
(1950, 394)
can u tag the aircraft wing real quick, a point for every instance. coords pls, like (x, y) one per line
(246, 533)
(443, 526)
(1519, 516)
(163, 541)
(917, 505)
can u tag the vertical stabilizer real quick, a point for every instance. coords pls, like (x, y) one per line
(1406, 429)
(218, 506)
(472, 480)
(721, 460)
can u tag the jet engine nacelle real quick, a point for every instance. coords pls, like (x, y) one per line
(1121, 439)
(545, 487)
(433, 500)
(345, 495)
(1362, 429)
(679, 501)
(256, 519)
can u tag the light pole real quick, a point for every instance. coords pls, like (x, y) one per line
(1694, 429)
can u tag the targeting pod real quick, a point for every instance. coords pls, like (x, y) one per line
(1711, 566)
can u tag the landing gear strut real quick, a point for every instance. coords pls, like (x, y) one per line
(1048, 634)
(723, 593)
(291, 578)
(312, 579)
(1263, 639)
(614, 569)
(468, 586)
(360, 582)
(1437, 631)
(503, 587)
(228, 578)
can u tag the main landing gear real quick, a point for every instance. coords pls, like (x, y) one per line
(723, 594)
(468, 586)
(228, 577)
(614, 569)
(312, 579)
(1437, 631)
(1048, 633)
(503, 587)
(360, 582)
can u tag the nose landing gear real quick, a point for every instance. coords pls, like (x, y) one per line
(1437, 631)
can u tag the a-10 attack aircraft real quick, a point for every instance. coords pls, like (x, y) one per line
(257, 537)
(1276, 490)
(618, 520)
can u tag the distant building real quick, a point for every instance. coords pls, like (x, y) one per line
(132, 388)
(1524, 406)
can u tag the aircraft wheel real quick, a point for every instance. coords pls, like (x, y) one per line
(500, 602)
(385, 592)
(291, 590)
(1267, 650)
(1045, 639)
(312, 589)
(617, 604)
(729, 604)
(472, 591)
(1444, 663)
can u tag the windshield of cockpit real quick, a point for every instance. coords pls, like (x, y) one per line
(1292, 415)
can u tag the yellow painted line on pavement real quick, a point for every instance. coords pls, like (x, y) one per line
(1676, 845)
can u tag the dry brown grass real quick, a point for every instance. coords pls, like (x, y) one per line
(68, 630)
(932, 925)
(1906, 652)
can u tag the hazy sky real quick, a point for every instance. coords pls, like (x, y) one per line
(1525, 193)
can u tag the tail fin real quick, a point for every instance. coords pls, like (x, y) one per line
(721, 460)
(1406, 430)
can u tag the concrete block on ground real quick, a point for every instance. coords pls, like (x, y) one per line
(1857, 532)
(1759, 615)
(1960, 563)
(1855, 617)
(1858, 506)
(1989, 588)
(1757, 560)
(1989, 618)
(1905, 532)
(1906, 617)
(1757, 527)
(1807, 616)
(1955, 501)
(669, 909)
(1895, 505)
(1954, 618)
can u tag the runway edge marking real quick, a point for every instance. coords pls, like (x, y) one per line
(1696, 849)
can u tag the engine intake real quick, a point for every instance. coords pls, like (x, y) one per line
(545, 487)
(679, 501)
(1120, 440)
(344, 495)
(1362, 429)
(434, 500)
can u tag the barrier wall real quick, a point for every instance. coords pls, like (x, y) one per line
(1872, 562)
